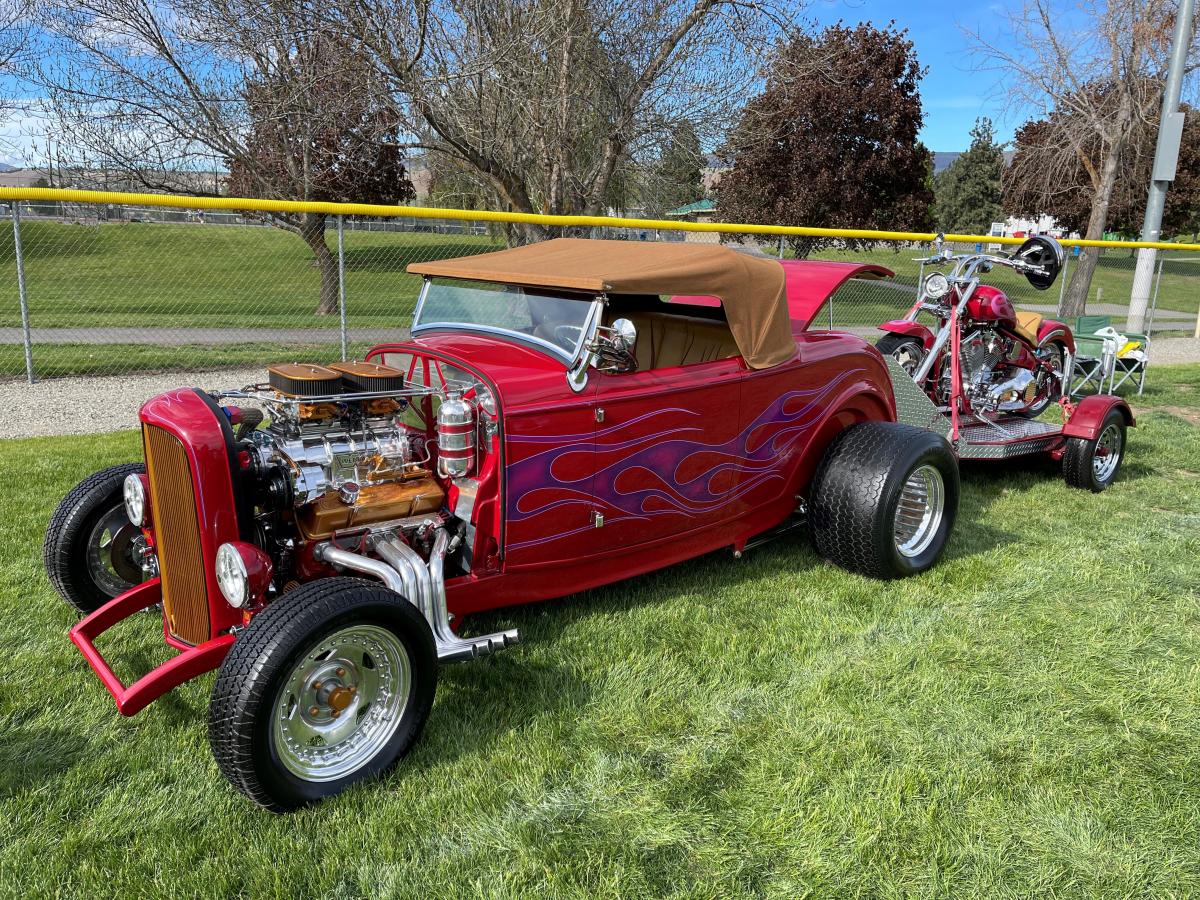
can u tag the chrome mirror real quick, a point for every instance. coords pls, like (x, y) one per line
(623, 334)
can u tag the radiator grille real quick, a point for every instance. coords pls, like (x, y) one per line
(177, 534)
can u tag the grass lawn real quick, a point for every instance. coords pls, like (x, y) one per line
(1021, 720)
(220, 276)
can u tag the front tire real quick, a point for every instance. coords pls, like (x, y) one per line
(907, 351)
(329, 685)
(1092, 464)
(92, 552)
(884, 499)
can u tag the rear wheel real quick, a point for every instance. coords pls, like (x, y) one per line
(907, 351)
(92, 552)
(1049, 387)
(1092, 463)
(884, 499)
(329, 685)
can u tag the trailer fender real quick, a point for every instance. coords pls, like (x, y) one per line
(1090, 413)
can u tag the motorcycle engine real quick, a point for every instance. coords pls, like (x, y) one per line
(990, 383)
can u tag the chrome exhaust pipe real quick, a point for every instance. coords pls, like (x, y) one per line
(425, 587)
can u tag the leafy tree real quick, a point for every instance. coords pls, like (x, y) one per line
(1069, 194)
(967, 192)
(833, 143)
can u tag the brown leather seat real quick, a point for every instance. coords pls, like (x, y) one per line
(1028, 324)
(665, 340)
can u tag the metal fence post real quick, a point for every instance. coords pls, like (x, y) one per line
(1062, 281)
(16, 217)
(341, 286)
(781, 246)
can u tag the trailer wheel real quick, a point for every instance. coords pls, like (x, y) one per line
(883, 499)
(92, 551)
(329, 685)
(1092, 464)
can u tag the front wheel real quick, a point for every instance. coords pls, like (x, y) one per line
(329, 685)
(92, 552)
(907, 351)
(884, 499)
(1092, 464)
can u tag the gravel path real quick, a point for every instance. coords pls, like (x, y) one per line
(96, 404)
(111, 403)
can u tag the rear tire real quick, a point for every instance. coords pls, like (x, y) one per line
(884, 499)
(1092, 464)
(329, 685)
(90, 550)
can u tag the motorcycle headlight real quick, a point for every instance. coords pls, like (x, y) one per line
(936, 286)
(231, 576)
(134, 493)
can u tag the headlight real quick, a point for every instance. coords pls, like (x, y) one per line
(936, 286)
(231, 576)
(135, 498)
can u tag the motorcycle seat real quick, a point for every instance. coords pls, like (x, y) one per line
(1027, 326)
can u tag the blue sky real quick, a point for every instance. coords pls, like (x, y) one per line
(954, 92)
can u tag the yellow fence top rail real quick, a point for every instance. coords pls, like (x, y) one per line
(180, 201)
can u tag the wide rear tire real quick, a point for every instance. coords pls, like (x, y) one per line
(329, 685)
(884, 499)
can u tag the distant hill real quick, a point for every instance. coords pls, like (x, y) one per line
(943, 158)
(5, 167)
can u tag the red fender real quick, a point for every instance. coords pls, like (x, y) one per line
(909, 329)
(1091, 411)
(1058, 331)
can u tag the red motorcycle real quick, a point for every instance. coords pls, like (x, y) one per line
(984, 359)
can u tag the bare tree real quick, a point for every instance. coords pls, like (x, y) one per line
(1097, 68)
(162, 91)
(548, 103)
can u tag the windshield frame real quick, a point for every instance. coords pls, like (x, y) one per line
(569, 358)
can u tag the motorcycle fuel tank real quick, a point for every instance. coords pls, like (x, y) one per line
(989, 304)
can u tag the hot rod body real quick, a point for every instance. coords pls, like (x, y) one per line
(563, 416)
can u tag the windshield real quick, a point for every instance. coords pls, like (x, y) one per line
(549, 318)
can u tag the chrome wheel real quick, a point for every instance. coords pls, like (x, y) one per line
(342, 703)
(919, 510)
(1107, 456)
(909, 355)
(114, 552)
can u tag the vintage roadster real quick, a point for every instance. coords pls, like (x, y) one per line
(565, 415)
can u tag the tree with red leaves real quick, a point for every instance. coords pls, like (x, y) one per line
(832, 140)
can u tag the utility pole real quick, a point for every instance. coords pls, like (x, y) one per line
(1166, 155)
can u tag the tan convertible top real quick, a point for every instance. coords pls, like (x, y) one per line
(751, 289)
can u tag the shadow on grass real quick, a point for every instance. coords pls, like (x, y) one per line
(32, 756)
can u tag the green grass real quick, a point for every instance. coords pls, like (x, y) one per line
(218, 276)
(1022, 720)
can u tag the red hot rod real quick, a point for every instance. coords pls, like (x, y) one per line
(565, 415)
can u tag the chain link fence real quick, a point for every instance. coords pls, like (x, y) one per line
(96, 289)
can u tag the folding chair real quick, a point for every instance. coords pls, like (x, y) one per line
(1090, 369)
(1091, 365)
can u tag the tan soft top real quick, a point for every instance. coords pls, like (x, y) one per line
(751, 289)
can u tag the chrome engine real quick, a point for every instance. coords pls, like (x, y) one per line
(991, 384)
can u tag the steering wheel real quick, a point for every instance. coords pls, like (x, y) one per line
(567, 334)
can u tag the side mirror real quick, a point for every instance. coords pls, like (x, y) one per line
(624, 334)
(1045, 252)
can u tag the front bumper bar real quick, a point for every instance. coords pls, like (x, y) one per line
(184, 667)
